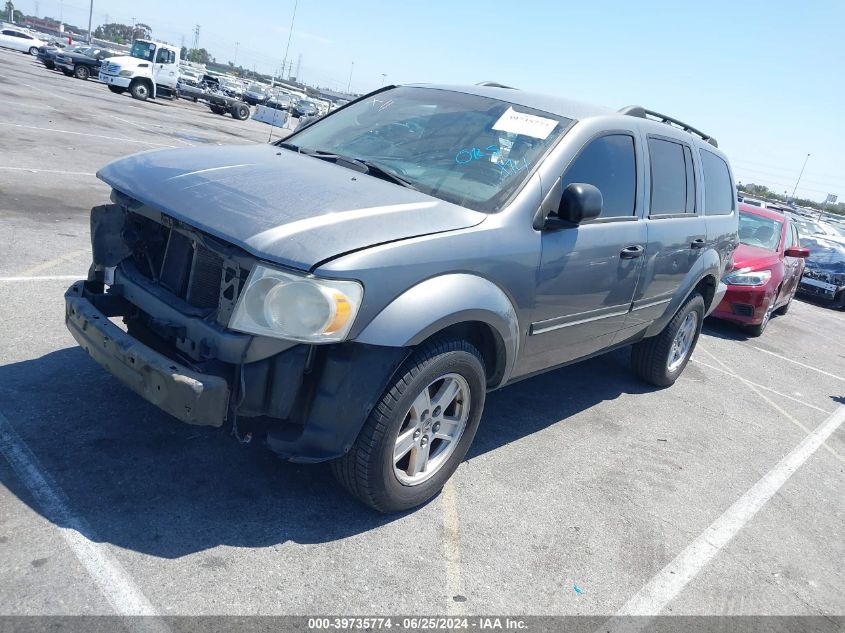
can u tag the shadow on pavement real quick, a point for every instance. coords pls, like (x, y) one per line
(144, 482)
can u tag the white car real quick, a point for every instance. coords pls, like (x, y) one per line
(20, 41)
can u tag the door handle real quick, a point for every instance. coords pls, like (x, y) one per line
(632, 252)
(698, 243)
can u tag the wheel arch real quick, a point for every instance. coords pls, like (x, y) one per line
(459, 304)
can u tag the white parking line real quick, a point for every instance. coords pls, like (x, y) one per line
(451, 543)
(758, 385)
(44, 278)
(109, 138)
(49, 171)
(769, 401)
(112, 580)
(790, 360)
(671, 580)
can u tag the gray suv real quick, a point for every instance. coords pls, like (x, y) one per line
(356, 289)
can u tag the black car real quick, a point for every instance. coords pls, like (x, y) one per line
(47, 53)
(303, 108)
(82, 63)
(824, 270)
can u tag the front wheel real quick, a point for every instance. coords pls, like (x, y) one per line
(419, 432)
(758, 329)
(661, 359)
(81, 72)
(139, 90)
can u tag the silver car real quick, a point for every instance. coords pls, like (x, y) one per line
(357, 288)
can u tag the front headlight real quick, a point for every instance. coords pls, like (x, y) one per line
(747, 277)
(125, 73)
(305, 309)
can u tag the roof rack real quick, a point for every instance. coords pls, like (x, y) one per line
(639, 111)
(494, 84)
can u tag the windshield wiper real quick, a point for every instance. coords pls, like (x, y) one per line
(374, 169)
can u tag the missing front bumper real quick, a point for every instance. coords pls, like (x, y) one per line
(187, 395)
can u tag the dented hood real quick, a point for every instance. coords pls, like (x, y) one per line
(280, 205)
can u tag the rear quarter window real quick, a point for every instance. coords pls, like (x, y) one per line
(718, 188)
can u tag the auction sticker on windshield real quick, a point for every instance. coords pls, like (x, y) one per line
(527, 124)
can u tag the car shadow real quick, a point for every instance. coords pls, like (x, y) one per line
(144, 482)
(726, 330)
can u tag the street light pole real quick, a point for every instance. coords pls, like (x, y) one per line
(235, 63)
(90, 15)
(383, 78)
(349, 84)
(799, 176)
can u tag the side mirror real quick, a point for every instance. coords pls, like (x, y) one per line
(580, 203)
(797, 251)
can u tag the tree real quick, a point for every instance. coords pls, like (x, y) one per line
(199, 56)
(9, 11)
(183, 54)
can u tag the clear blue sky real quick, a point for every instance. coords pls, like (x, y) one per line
(767, 79)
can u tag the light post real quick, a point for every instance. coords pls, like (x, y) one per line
(799, 176)
(383, 78)
(90, 15)
(349, 84)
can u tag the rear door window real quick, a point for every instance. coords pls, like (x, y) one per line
(609, 164)
(718, 188)
(671, 182)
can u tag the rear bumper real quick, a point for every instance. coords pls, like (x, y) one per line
(187, 395)
(744, 304)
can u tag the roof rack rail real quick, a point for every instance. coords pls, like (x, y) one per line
(639, 111)
(494, 84)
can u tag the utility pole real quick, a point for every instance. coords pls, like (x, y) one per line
(197, 36)
(235, 63)
(37, 14)
(383, 78)
(90, 16)
(290, 35)
(799, 176)
(349, 84)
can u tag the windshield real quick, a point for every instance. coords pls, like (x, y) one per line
(143, 50)
(470, 150)
(755, 230)
(257, 88)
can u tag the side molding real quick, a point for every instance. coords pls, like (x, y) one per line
(439, 302)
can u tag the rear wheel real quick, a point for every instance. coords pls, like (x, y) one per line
(49, 65)
(118, 90)
(420, 431)
(67, 72)
(139, 90)
(661, 359)
(33, 51)
(81, 72)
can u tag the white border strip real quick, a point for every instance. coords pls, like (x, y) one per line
(671, 580)
(44, 278)
(112, 580)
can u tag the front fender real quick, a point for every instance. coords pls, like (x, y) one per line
(439, 302)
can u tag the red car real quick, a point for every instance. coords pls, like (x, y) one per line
(767, 266)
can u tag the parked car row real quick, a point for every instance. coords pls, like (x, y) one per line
(20, 40)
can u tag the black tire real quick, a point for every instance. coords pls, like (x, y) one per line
(218, 109)
(367, 470)
(240, 111)
(33, 51)
(139, 90)
(785, 307)
(118, 90)
(758, 329)
(49, 65)
(81, 72)
(67, 72)
(650, 357)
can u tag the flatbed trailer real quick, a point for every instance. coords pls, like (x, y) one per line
(218, 103)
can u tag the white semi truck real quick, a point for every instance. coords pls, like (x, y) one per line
(150, 70)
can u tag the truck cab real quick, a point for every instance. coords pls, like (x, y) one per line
(150, 70)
